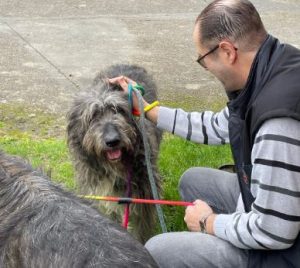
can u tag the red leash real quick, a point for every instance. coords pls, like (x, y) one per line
(127, 205)
(128, 200)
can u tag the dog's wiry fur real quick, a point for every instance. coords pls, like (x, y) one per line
(106, 144)
(42, 225)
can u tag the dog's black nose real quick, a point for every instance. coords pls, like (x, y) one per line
(112, 143)
(111, 136)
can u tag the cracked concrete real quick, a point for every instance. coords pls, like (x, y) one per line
(52, 49)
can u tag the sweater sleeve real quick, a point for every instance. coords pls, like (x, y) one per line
(205, 127)
(274, 219)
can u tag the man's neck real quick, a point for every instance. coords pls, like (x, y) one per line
(244, 66)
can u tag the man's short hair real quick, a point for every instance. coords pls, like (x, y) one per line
(233, 20)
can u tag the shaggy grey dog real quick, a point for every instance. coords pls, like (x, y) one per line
(106, 145)
(42, 225)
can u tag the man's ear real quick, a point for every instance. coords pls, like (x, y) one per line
(228, 51)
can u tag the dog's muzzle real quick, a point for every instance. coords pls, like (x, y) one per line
(112, 141)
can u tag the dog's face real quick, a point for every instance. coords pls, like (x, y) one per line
(102, 125)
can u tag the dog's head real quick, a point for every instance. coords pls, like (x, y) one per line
(100, 126)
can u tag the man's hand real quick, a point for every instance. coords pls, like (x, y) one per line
(123, 81)
(193, 215)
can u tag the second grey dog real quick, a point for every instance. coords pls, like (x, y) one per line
(107, 146)
(43, 226)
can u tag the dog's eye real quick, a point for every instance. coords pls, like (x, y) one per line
(96, 115)
(118, 110)
(115, 110)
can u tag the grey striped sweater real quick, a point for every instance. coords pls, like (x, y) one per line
(274, 220)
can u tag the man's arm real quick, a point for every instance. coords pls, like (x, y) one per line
(152, 115)
(202, 127)
(273, 222)
(205, 127)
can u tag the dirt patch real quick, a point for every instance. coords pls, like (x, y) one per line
(17, 119)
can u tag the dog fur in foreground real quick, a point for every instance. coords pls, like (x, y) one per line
(42, 225)
(106, 144)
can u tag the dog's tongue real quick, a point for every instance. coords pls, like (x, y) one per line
(113, 154)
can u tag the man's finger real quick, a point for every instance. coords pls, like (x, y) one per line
(115, 80)
(123, 81)
(123, 84)
(198, 201)
(128, 80)
(187, 209)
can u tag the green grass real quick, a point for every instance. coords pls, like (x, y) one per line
(50, 153)
(178, 155)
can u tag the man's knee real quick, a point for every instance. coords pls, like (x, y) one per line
(193, 179)
(171, 249)
(158, 248)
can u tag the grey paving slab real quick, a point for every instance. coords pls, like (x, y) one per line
(81, 8)
(25, 76)
(52, 49)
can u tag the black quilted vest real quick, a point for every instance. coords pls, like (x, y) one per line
(272, 90)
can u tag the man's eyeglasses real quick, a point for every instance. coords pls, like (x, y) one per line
(200, 58)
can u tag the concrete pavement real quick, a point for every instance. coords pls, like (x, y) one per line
(52, 49)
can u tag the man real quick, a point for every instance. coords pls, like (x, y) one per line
(251, 218)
